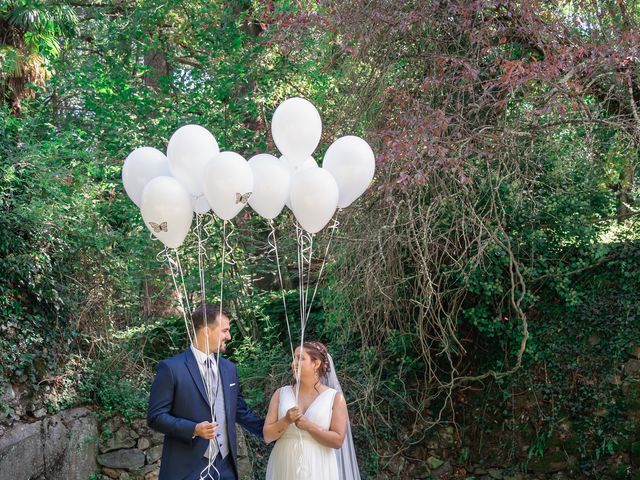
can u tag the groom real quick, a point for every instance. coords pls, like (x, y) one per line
(179, 405)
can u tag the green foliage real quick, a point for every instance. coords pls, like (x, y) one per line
(66, 226)
(86, 304)
(127, 397)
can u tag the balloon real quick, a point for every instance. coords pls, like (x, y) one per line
(142, 165)
(314, 198)
(296, 128)
(166, 210)
(189, 149)
(296, 167)
(227, 183)
(352, 163)
(200, 204)
(293, 169)
(271, 183)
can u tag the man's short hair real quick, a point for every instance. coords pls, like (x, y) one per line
(208, 312)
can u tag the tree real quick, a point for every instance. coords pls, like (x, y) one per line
(30, 36)
(507, 139)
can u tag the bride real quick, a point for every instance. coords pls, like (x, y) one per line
(311, 431)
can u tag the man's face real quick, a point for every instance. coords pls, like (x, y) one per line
(219, 333)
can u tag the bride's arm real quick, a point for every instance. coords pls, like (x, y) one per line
(334, 437)
(274, 428)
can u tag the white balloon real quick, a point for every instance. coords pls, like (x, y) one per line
(227, 183)
(200, 204)
(296, 128)
(271, 184)
(295, 168)
(189, 149)
(352, 163)
(142, 165)
(166, 210)
(314, 198)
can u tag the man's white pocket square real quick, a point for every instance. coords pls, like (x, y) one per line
(232, 384)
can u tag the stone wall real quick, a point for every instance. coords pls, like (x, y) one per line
(72, 445)
(446, 454)
(59, 447)
(129, 451)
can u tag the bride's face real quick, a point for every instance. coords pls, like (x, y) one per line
(308, 366)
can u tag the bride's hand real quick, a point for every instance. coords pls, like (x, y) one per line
(293, 414)
(303, 423)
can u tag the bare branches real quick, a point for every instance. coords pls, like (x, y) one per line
(466, 100)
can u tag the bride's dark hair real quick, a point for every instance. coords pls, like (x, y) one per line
(317, 351)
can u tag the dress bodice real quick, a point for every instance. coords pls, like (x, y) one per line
(319, 411)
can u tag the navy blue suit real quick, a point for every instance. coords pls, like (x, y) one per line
(178, 402)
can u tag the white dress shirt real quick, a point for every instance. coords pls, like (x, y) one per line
(201, 358)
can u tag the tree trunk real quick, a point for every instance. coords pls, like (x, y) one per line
(13, 89)
(625, 200)
(156, 60)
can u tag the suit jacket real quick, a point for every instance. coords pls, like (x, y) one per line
(178, 402)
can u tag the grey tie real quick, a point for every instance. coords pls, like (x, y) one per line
(210, 370)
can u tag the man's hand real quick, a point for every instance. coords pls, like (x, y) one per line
(206, 430)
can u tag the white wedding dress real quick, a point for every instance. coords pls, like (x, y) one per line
(297, 455)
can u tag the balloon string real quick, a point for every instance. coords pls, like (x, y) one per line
(205, 473)
(301, 269)
(226, 236)
(333, 229)
(201, 254)
(300, 273)
(210, 391)
(175, 270)
(224, 247)
(305, 312)
(300, 237)
(173, 266)
(306, 291)
(204, 227)
(304, 256)
(207, 380)
(212, 396)
(203, 296)
(274, 244)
